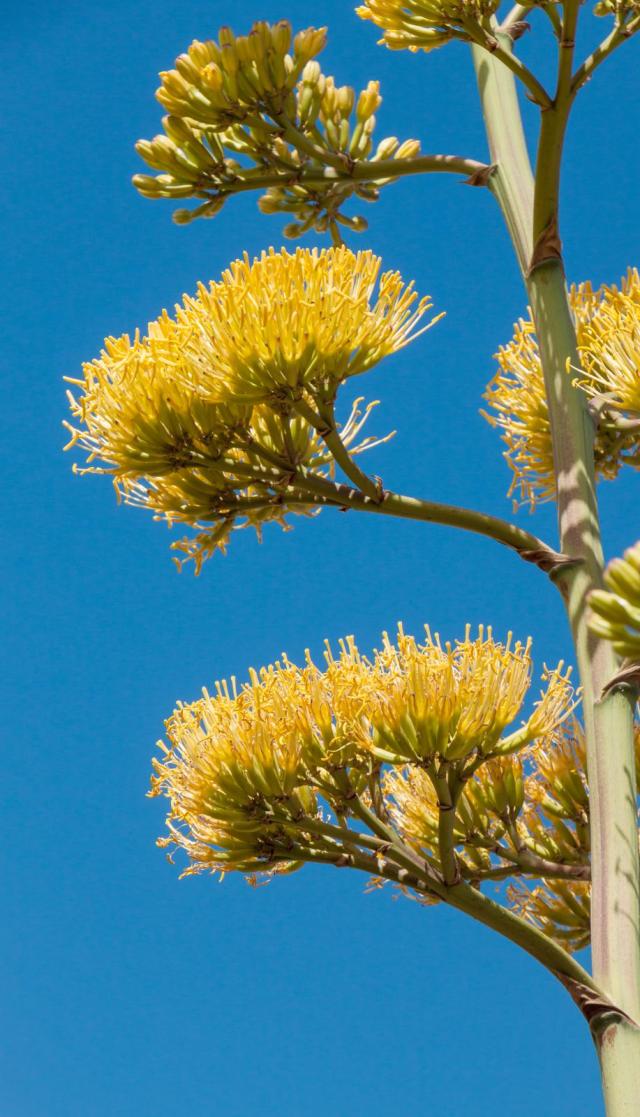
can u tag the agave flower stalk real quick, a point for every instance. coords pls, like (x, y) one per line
(530, 205)
(411, 765)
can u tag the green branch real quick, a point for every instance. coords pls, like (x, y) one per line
(381, 171)
(324, 423)
(494, 44)
(619, 35)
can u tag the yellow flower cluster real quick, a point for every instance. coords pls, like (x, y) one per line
(350, 764)
(609, 344)
(517, 814)
(563, 911)
(456, 702)
(623, 10)
(426, 24)
(244, 111)
(248, 772)
(608, 331)
(493, 795)
(615, 611)
(554, 826)
(198, 419)
(225, 82)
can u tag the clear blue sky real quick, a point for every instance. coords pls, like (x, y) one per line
(126, 992)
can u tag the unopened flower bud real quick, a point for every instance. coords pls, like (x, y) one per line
(386, 148)
(281, 36)
(212, 77)
(368, 101)
(408, 150)
(309, 43)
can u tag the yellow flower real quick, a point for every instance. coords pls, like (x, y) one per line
(289, 322)
(495, 792)
(234, 777)
(555, 821)
(562, 912)
(615, 611)
(425, 24)
(245, 769)
(413, 807)
(198, 420)
(554, 826)
(609, 345)
(456, 701)
(608, 333)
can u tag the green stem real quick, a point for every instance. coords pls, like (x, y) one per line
(532, 864)
(426, 511)
(325, 424)
(304, 144)
(339, 834)
(464, 897)
(512, 181)
(501, 50)
(383, 170)
(552, 14)
(608, 720)
(553, 126)
(375, 171)
(470, 900)
(618, 36)
(446, 826)
(329, 492)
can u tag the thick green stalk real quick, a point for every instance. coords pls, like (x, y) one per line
(608, 719)
(512, 180)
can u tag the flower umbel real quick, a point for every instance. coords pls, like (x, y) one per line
(616, 609)
(608, 334)
(268, 774)
(211, 418)
(289, 323)
(455, 702)
(426, 24)
(255, 111)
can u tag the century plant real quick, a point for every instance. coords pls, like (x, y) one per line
(413, 764)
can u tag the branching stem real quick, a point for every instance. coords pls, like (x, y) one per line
(615, 911)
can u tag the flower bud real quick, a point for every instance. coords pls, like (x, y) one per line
(281, 36)
(408, 150)
(386, 148)
(368, 101)
(309, 43)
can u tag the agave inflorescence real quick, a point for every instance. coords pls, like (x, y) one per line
(256, 112)
(616, 609)
(358, 764)
(211, 419)
(427, 24)
(608, 334)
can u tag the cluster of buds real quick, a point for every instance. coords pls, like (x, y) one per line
(615, 611)
(427, 24)
(222, 416)
(229, 82)
(608, 333)
(246, 114)
(623, 11)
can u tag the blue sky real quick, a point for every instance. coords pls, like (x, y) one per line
(126, 991)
